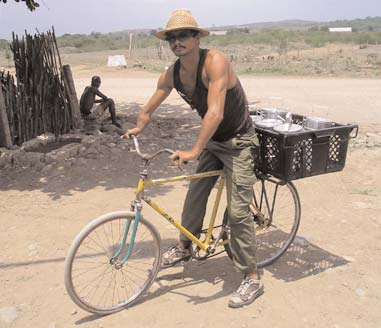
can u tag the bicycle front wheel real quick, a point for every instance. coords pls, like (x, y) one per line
(276, 222)
(94, 280)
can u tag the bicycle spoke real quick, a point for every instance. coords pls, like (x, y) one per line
(276, 213)
(87, 270)
(106, 286)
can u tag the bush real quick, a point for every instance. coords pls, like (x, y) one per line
(4, 44)
(274, 37)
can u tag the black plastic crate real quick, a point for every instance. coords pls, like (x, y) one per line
(291, 156)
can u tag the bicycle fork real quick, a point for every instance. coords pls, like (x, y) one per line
(118, 263)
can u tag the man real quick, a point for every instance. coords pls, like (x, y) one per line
(87, 103)
(206, 81)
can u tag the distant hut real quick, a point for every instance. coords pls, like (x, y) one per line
(339, 29)
(117, 61)
(218, 32)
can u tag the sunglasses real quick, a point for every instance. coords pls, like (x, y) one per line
(181, 36)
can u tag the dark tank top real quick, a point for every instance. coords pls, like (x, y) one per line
(236, 114)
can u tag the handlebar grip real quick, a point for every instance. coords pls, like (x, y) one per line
(177, 158)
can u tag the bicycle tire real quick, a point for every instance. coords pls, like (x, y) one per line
(98, 241)
(274, 241)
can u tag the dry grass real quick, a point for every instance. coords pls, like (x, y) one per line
(336, 60)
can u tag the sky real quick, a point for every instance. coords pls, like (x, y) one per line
(86, 16)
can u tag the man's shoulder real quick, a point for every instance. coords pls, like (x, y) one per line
(216, 59)
(169, 70)
(167, 76)
(214, 55)
(89, 89)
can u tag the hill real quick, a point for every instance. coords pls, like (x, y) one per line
(279, 25)
(360, 25)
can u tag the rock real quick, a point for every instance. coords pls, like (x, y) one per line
(33, 249)
(91, 124)
(300, 241)
(8, 314)
(47, 168)
(31, 145)
(89, 141)
(360, 292)
(111, 128)
(348, 258)
(105, 139)
(91, 152)
(46, 138)
(3, 150)
(35, 160)
(6, 159)
(71, 137)
(37, 142)
(65, 152)
(115, 151)
(21, 158)
(18, 157)
(361, 205)
(81, 161)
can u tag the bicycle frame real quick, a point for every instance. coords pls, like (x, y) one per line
(137, 207)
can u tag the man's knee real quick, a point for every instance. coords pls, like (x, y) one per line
(107, 103)
(238, 214)
(110, 101)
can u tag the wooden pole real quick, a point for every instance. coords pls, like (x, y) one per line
(129, 48)
(72, 96)
(5, 133)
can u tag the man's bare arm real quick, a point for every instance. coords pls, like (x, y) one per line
(99, 94)
(163, 89)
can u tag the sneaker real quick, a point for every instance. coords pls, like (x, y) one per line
(247, 292)
(175, 255)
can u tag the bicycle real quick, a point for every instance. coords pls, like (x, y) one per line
(115, 258)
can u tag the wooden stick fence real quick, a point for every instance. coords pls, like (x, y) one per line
(42, 98)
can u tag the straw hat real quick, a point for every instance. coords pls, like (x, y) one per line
(181, 19)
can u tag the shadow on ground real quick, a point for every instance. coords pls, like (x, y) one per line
(114, 166)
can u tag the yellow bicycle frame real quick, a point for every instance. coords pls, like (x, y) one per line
(203, 245)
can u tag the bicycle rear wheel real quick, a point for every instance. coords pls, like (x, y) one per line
(94, 280)
(278, 219)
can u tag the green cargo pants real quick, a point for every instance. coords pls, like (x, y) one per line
(235, 157)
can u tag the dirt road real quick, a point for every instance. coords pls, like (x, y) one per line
(329, 278)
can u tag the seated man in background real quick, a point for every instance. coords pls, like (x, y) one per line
(88, 107)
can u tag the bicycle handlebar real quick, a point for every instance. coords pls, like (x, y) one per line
(149, 157)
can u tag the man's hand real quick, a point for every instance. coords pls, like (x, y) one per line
(131, 132)
(183, 156)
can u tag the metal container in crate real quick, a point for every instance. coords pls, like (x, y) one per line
(291, 156)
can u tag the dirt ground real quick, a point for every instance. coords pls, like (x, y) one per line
(330, 277)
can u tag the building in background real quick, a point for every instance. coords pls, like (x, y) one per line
(340, 29)
(218, 32)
